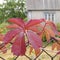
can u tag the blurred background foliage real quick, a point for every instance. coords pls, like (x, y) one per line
(12, 8)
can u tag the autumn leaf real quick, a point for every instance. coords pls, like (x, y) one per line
(19, 46)
(17, 21)
(12, 26)
(47, 35)
(10, 34)
(33, 22)
(37, 51)
(34, 39)
(36, 28)
(41, 34)
(30, 30)
(19, 33)
(55, 45)
(51, 32)
(31, 49)
(53, 26)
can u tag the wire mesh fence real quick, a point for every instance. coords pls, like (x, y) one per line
(46, 53)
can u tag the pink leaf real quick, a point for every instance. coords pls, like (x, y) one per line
(34, 22)
(10, 35)
(19, 46)
(17, 21)
(34, 39)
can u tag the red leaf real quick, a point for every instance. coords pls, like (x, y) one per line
(34, 22)
(10, 35)
(19, 46)
(34, 39)
(17, 21)
(12, 26)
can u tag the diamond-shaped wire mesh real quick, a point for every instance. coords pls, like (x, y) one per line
(46, 53)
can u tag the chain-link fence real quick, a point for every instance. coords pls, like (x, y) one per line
(46, 53)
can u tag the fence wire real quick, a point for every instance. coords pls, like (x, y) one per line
(43, 50)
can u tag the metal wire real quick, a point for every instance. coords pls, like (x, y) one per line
(42, 50)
